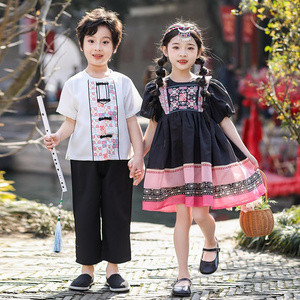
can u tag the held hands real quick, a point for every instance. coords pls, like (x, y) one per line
(51, 141)
(137, 169)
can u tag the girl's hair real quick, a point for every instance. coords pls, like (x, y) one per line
(179, 28)
(88, 25)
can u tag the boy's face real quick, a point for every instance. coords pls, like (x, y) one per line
(98, 48)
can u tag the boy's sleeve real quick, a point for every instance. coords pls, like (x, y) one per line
(219, 101)
(133, 100)
(66, 102)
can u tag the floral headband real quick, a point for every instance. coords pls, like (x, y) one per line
(184, 33)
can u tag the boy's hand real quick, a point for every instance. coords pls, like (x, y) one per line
(138, 177)
(137, 170)
(51, 141)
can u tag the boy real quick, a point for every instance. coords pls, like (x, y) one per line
(100, 107)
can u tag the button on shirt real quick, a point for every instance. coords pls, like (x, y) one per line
(100, 108)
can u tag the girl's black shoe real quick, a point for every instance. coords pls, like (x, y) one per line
(209, 267)
(184, 290)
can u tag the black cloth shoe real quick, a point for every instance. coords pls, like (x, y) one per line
(117, 283)
(209, 267)
(184, 290)
(82, 283)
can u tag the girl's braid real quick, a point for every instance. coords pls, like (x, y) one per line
(161, 73)
(202, 80)
(203, 84)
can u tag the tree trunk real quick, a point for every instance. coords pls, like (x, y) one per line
(29, 66)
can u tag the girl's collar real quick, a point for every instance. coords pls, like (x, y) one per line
(191, 79)
(207, 78)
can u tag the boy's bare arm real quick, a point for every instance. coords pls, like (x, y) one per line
(65, 130)
(136, 138)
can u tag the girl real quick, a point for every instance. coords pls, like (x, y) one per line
(197, 159)
(100, 107)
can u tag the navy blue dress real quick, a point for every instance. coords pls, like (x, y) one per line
(191, 160)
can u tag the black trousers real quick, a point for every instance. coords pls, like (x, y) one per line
(102, 201)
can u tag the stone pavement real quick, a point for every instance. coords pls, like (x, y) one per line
(29, 270)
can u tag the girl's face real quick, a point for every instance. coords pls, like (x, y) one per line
(98, 48)
(181, 54)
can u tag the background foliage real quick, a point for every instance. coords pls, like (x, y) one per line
(281, 90)
(19, 215)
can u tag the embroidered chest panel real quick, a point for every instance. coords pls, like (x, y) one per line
(104, 117)
(177, 98)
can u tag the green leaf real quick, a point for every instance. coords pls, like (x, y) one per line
(268, 49)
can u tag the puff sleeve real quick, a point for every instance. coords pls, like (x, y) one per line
(151, 107)
(219, 101)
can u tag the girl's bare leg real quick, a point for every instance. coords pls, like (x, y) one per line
(206, 222)
(181, 240)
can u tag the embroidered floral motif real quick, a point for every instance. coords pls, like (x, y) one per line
(104, 116)
(163, 98)
(181, 98)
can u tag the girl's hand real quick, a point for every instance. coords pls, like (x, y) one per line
(253, 161)
(51, 141)
(137, 170)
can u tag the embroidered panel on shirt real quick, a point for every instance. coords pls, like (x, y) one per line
(104, 116)
(181, 98)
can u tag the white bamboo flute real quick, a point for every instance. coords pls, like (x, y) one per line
(53, 151)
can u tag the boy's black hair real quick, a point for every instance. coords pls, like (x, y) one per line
(88, 25)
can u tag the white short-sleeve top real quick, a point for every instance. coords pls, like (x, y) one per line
(100, 108)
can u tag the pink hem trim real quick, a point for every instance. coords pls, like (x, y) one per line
(169, 205)
(197, 173)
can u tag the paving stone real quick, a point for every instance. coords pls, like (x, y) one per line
(29, 270)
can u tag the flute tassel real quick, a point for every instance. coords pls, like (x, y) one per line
(58, 235)
(57, 238)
